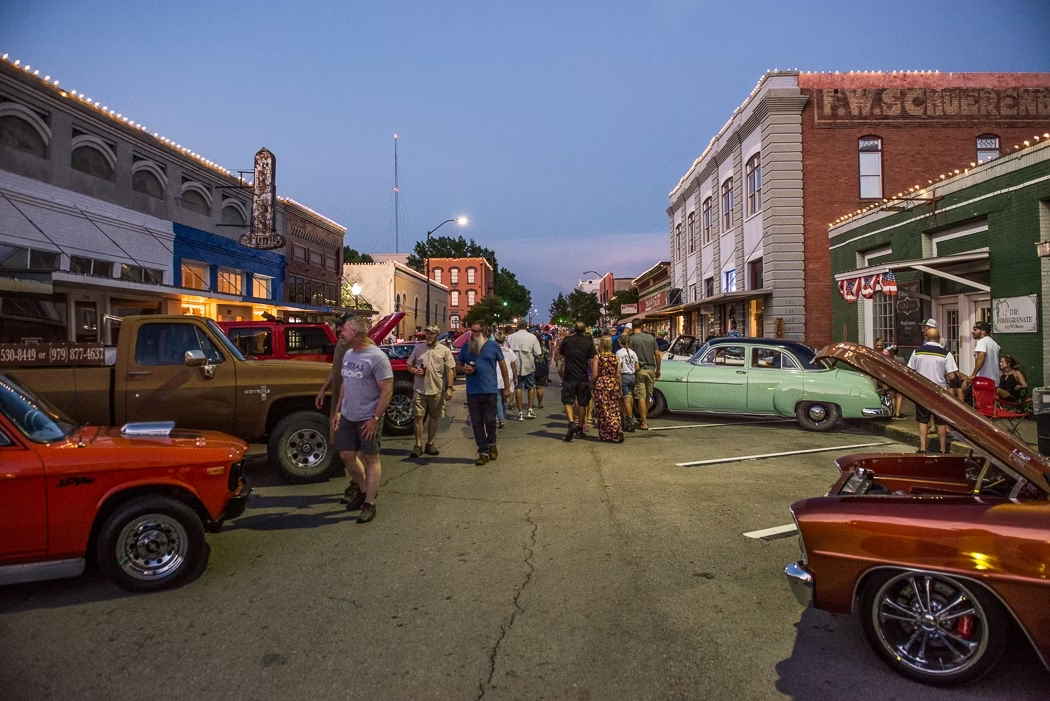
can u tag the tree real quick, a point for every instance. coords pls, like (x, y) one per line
(621, 297)
(489, 310)
(559, 309)
(449, 247)
(351, 256)
(516, 295)
(347, 299)
(584, 306)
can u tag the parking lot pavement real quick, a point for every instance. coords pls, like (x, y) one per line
(579, 570)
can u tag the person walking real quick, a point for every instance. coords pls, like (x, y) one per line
(368, 384)
(543, 369)
(608, 393)
(502, 408)
(526, 350)
(628, 369)
(434, 370)
(480, 360)
(936, 364)
(335, 382)
(985, 352)
(644, 346)
(578, 358)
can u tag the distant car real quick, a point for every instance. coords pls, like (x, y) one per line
(938, 554)
(137, 498)
(765, 377)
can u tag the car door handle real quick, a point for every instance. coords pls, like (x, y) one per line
(140, 372)
(741, 372)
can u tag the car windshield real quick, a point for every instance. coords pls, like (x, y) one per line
(225, 341)
(35, 418)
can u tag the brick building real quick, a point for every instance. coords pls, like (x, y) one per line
(654, 289)
(748, 221)
(314, 256)
(468, 281)
(960, 250)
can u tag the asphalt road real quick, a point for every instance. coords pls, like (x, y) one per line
(560, 571)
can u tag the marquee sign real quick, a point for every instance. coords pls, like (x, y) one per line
(922, 104)
(263, 233)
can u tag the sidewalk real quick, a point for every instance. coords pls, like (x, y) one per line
(907, 431)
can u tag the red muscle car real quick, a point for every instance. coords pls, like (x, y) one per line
(137, 498)
(936, 553)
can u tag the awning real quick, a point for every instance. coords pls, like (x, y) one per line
(879, 278)
(722, 298)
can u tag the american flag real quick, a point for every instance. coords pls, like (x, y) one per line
(848, 290)
(867, 286)
(889, 284)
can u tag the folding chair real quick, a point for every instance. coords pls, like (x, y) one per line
(986, 403)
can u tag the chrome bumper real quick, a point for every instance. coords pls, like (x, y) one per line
(801, 582)
(881, 411)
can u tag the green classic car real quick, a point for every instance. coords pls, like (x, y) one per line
(765, 377)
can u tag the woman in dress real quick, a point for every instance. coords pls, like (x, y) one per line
(607, 393)
(1011, 380)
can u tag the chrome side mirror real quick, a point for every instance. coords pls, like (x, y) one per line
(195, 359)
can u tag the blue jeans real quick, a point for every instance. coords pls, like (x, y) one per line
(499, 405)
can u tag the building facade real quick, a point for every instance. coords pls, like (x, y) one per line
(314, 257)
(103, 219)
(748, 221)
(654, 289)
(468, 281)
(391, 287)
(960, 250)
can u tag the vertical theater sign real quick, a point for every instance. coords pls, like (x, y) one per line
(263, 233)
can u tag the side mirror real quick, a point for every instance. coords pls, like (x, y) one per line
(195, 359)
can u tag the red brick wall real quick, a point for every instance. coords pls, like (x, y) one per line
(915, 149)
(483, 281)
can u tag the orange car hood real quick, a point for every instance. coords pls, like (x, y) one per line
(206, 445)
(979, 431)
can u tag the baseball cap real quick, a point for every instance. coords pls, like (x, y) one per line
(432, 329)
(628, 325)
(931, 323)
(343, 318)
(983, 326)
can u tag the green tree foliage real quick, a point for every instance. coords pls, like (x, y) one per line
(559, 309)
(628, 296)
(489, 310)
(351, 256)
(584, 306)
(347, 299)
(516, 295)
(449, 247)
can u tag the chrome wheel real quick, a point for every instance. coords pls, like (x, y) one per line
(817, 413)
(306, 448)
(152, 546)
(930, 623)
(401, 412)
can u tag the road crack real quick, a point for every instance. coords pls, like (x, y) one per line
(530, 545)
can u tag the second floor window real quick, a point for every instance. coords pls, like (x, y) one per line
(727, 205)
(706, 213)
(987, 147)
(870, 167)
(753, 172)
(470, 298)
(454, 298)
(453, 276)
(754, 273)
(729, 281)
(691, 228)
(437, 275)
(262, 287)
(709, 287)
(470, 276)
(195, 276)
(230, 281)
(678, 241)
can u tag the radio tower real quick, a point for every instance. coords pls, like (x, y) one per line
(396, 225)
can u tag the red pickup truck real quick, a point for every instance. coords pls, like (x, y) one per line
(278, 340)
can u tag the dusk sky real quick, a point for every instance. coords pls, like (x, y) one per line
(557, 128)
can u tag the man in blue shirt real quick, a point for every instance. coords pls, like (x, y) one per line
(480, 360)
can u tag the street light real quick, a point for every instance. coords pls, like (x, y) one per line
(462, 221)
(355, 290)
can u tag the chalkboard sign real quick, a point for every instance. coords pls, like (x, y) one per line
(909, 315)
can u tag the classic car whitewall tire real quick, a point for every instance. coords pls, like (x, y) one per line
(817, 416)
(931, 627)
(152, 542)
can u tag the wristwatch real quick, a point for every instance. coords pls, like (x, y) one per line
(375, 418)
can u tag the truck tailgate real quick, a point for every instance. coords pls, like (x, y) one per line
(83, 394)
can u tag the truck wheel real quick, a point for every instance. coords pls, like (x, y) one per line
(817, 416)
(151, 543)
(300, 448)
(401, 412)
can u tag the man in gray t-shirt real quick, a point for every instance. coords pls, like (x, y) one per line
(368, 384)
(644, 346)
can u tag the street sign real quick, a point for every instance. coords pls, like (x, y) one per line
(18, 355)
(628, 309)
(263, 233)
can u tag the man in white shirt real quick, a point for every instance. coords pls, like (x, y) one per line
(986, 352)
(936, 364)
(527, 349)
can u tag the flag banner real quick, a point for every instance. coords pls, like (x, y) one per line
(848, 290)
(867, 287)
(889, 284)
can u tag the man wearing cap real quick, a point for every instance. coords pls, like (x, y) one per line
(936, 364)
(986, 352)
(434, 368)
(527, 350)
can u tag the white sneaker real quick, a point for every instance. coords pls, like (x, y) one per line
(531, 414)
(521, 417)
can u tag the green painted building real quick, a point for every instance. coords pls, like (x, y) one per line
(970, 247)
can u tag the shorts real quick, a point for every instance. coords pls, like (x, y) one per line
(429, 404)
(527, 382)
(627, 380)
(923, 416)
(643, 384)
(348, 437)
(541, 381)
(579, 392)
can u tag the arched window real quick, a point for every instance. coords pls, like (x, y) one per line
(148, 178)
(753, 174)
(470, 298)
(437, 275)
(727, 205)
(233, 215)
(470, 275)
(706, 213)
(196, 198)
(691, 228)
(397, 303)
(454, 298)
(678, 241)
(23, 129)
(870, 148)
(987, 147)
(453, 276)
(93, 156)
(415, 306)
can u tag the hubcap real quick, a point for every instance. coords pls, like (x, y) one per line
(152, 547)
(307, 448)
(930, 623)
(400, 410)
(818, 412)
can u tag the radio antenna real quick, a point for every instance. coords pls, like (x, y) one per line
(395, 197)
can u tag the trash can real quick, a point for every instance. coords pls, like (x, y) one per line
(1041, 409)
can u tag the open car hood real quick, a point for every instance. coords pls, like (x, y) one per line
(979, 431)
(382, 328)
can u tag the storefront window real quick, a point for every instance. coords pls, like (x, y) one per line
(262, 287)
(195, 276)
(31, 318)
(85, 322)
(884, 318)
(231, 282)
